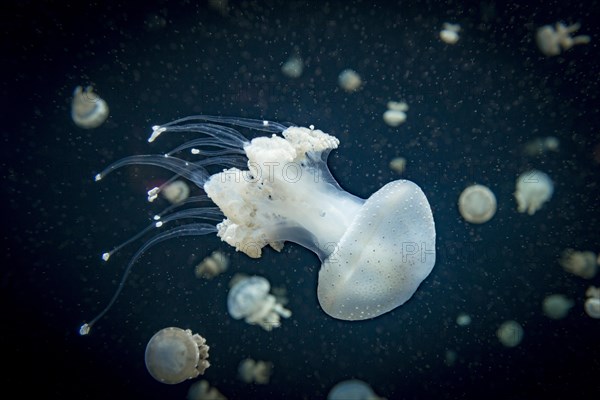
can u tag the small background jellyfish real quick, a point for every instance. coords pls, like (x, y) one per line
(533, 189)
(352, 389)
(88, 110)
(551, 41)
(510, 333)
(293, 67)
(463, 319)
(215, 264)
(398, 165)
(202, 390)
(174, 355)
(477, 204)
(395, 115)
(176, 192)
(592, 302)
(581, 263)
(449, 33)
(251, 371)
(541, 145)
(250, 299)
(557, 306)
(349, 80)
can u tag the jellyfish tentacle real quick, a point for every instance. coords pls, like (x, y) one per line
(196, 229)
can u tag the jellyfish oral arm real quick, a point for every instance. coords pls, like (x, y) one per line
(287, 194)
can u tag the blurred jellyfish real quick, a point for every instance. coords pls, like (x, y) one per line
(396, 113)
(87, 109)
(580, 263)
(533, 189)
(477, 204)
(510, 333)
(213, 265)
(288, 194)
(398, 165)
(349, 80)
(202, 391)
(352, 389)
(249, 298)
(449, 33)
(463, 319)
(251, 371)
(592, 303)
(541, 145)
(557, 306)
(174, 355)
(293, 67)
(552, 41)
(176, 192)
(450, 357)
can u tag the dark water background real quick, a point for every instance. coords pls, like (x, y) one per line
(472, 108)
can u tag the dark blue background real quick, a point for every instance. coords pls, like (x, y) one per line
(472, 107)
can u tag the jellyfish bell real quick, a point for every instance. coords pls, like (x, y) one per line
(477, 204)
(375, 252)
(352, 389)
(88, 111)
(533, 188)
(249, 298)
(174, 355)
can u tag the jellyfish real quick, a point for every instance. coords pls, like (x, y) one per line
(202, 391)
(557, 306)
(551, 41)
(293, 67)
(398, 164)
(463, 319)
(349, 80)
(258, 372)
(450, 357)
(510, 333)
(352, 389)
(541, 145)
(215, 264)
(374, 252)
(87, 109)
(249, 298)
(477, 204)
(581, 263)
(396, 113)
(176, 191)
(592, 303)
(449, 33)
(174, 355)
(533, 189)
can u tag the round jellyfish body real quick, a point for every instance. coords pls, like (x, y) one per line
(383, 256)
(249, 298)
(510, 333)
(87, 109)
(592, 303)
(352, 389)
(174, 355)
(533, 189)
(374, 252)
(557, 306)
(477, 204)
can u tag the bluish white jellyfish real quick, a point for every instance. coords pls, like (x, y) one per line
(88, 110)
(533, 189)
(249, 298)
(374, 252)
(352, 389)
(174, 355)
